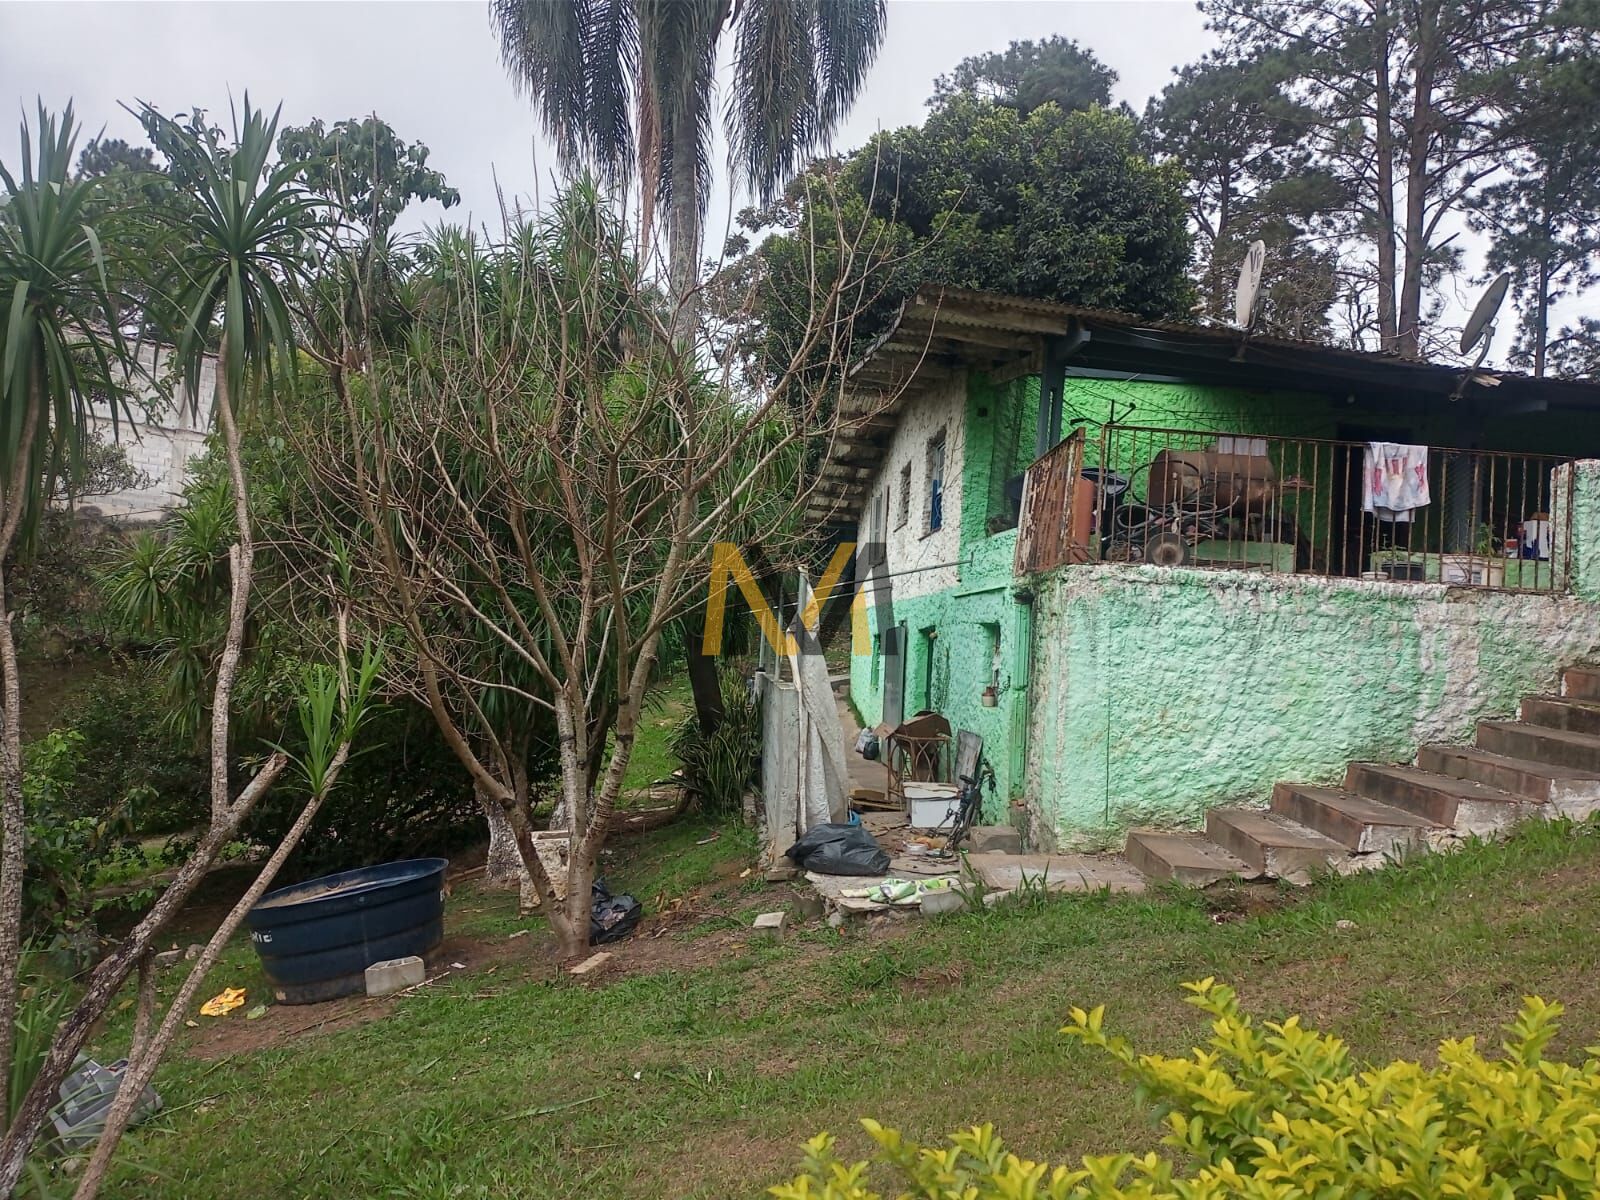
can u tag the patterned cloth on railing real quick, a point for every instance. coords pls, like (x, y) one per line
(1396, 480)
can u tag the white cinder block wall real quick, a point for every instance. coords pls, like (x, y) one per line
(161, 439)
(920, 562)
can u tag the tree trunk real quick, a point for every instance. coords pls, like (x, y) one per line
(570, 922)
(1419, 146)
(1383, 199)
(706, 685)
(503, 868)
(1541, 301)
(683, 228)
(145, 1056)
(13, 849)
(13, 820)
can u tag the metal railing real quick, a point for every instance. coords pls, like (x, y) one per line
(1057, 501)
(1308, 506)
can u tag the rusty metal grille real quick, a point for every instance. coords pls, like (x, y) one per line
(1296, 506)
(1057, 504)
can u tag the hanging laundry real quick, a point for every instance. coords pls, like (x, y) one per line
(1396, 480)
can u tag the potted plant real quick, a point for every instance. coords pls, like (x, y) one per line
(1482, 568)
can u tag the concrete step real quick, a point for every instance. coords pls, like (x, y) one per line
(1521, 740)
(1355, 822)
(1185, 857)
(1562, 712)
(1568, 791)
(1273, 845)
(1581, 683)
(1057, 872)
(1461, 804)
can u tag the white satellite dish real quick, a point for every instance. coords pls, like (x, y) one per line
(1244, 297)
(1481, 323)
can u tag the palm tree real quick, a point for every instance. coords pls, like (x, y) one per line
(628, 87)
(245, 251)
(242, 249)
(58, 348)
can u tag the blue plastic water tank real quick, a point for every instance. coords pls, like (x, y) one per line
(316, 939)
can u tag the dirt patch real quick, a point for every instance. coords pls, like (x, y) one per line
(933, 981)
(1236, 901)
(505, 958)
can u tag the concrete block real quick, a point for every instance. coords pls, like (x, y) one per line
(995, 839)
(591, 964)
(947, 900)
(782, 871)
(394, 974)
(168, 958)
(809, 906)
(774, 923)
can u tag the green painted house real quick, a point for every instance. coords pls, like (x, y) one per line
(1201, 603)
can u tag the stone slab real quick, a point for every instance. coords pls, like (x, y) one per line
(995, 839)
(394, 974)
(1187, 858)
(774, 923)
(1060, 872)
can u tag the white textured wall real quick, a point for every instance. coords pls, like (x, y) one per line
(921, 563)
(160, 439)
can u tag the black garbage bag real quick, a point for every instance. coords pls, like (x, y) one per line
(839, 850)
(611, 918)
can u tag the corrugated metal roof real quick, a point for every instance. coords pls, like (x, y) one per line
(941, 330)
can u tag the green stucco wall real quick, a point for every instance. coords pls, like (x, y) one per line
(1161, 693)
(949, 672)
(1134, 695)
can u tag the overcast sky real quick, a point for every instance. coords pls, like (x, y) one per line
(431, 69)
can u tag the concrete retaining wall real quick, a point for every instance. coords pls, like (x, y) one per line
(1159, 693)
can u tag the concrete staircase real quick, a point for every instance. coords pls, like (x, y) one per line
(1547, 764)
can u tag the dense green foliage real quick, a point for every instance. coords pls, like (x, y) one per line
(72, 842)
(364, 169)
(55, 300)
(1283, 1113)
(1029, 75)
(1055, 205)
(721, 768)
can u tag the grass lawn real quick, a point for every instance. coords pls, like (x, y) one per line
(696, 1065)
(669, 702)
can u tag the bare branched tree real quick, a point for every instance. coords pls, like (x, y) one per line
(526, 488)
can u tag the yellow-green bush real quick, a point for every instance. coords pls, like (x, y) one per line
(1279, 1112)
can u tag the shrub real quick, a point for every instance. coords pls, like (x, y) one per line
(406, 797)
(122, 720)
(721, 767)
(1279, 1112)
(68, 852)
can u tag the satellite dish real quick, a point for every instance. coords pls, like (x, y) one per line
(1244, 297)
(1483, 315)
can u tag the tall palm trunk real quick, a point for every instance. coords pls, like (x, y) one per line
(683, 247)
